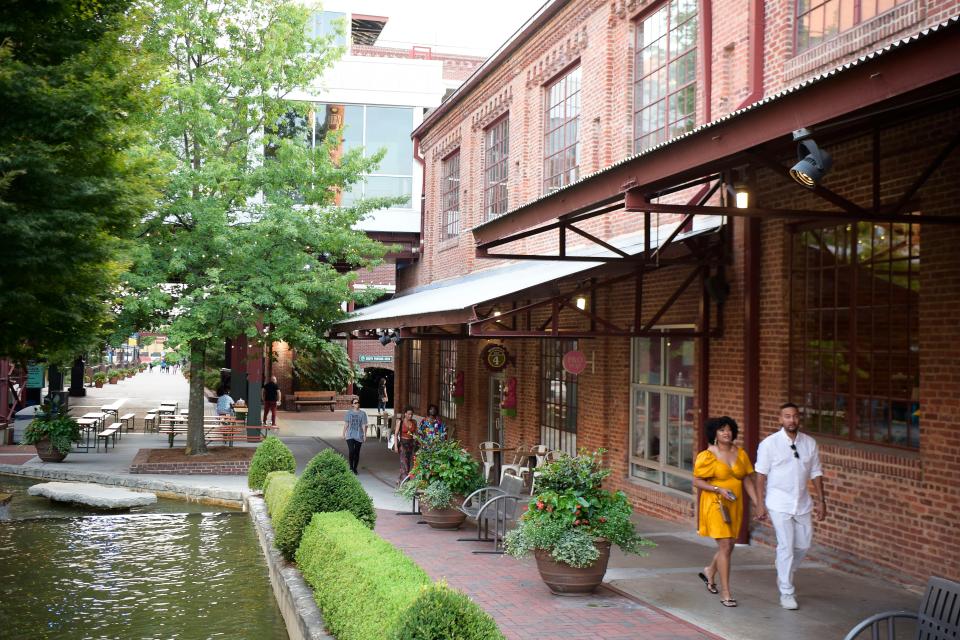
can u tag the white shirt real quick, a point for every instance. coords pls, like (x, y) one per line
(787, 475)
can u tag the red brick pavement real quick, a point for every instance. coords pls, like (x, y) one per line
(15, 454)
(512, 592)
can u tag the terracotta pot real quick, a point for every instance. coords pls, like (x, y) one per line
(47, 453)
(443, 518)
(114, 379)
(98, 385)
(564, 580)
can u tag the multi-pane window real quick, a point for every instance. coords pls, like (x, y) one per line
(558, 397)
(448, 378)
(561, 146)
(450, 195)
(820, 20)
(854, 331)
(661, 411)
(665, 74)
(373, 128)
(496, 152)
(413, 375)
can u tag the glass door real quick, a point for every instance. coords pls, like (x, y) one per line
(495, 424)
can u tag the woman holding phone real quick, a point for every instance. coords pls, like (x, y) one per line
(722, 472)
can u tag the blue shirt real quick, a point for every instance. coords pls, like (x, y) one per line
(223, 405)
(356, 424)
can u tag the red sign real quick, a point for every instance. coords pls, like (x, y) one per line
(574, 362)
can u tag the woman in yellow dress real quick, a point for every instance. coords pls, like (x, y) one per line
(722, 472)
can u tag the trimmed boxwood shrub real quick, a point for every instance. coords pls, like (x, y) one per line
(327, 484)
(442, 613)
(277, 489)
(348, 566)
(271, 455)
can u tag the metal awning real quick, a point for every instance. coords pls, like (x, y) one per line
(452, 301)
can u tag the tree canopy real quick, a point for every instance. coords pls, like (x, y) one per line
(74, 177)
(242, 242)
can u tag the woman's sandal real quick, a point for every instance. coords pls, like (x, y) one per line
(711, 586)
(728, 602)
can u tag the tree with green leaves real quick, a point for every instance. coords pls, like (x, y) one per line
(244, 242)
(74, 176)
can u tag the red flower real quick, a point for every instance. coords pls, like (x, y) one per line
(540, 505)
(603, 519)
(576, 523)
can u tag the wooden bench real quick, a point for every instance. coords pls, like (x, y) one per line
(150, 422)
(937, 619)
(328, 398)
(215, 429)
(110, 433)
(128, 421)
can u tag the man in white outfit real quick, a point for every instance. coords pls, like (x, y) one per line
(786, 461)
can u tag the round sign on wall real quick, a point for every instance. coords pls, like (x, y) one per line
(495, 357)
(574, 362)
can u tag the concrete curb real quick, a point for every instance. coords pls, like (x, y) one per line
(163, 488)
(294, 596)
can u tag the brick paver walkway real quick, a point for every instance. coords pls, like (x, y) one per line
(513, 593)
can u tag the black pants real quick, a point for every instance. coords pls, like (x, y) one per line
(354, 457)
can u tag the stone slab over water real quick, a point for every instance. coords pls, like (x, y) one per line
(93, 495)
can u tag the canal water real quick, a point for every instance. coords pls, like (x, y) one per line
(172, 570)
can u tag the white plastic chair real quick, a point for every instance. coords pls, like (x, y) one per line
(486, 455)
(550, 456)
(540, 453)
(520, 464)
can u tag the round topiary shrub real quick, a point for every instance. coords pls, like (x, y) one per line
(327, 484)
(442, 613)
(271, 455)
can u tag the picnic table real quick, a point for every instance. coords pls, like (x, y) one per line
(167, 408)
(112, 408)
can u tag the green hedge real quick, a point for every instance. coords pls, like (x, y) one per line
(345, 563)
(271, 455)
(327, 484)
(277, 490)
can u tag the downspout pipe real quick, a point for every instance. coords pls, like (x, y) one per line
(423, 189)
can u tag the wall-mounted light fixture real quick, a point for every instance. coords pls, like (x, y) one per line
(813, 163)
(581, 303)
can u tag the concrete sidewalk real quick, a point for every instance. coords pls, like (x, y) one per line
(657, 587)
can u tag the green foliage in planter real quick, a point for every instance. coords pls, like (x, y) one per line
(442, 472)
(271, 455)
(442, 612)
(351, 568)
(100, 377)
(61, 430)
(277, 489)
(327, 484)
(571, 509)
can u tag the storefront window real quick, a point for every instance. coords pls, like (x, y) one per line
(662, 415)
(558, 397)
(413, 375)
(448, 377)
(854, 331)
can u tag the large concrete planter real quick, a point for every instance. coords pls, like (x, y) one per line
(450, 519)
(564, 580)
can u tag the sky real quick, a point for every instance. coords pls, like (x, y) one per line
(455, 26)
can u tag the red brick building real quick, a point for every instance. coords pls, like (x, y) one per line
(616, 182)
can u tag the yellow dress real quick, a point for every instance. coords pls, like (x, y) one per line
(720, 474)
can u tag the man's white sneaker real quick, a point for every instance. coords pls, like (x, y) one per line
(788, 602)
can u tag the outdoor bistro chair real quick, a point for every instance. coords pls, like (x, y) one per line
(520, 464)
(486, 455)
(540, 453)
(496, 505)
(937, 619)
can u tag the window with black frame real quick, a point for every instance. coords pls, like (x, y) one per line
(855, 331)
(558, 397)
(448, 377)
(561, 138)
(413, 374)
(496, 156)
(450, 196)
(661, 411)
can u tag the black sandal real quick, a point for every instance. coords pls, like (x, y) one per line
(711, 586)
(728, 602)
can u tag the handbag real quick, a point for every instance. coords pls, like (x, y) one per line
(724, 512)
(391, 442)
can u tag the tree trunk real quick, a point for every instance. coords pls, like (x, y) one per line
(196, 443)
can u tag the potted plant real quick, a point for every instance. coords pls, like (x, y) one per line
(443, 473)
(114, 376)
(51, 434)
(99, 378)
(571, 523)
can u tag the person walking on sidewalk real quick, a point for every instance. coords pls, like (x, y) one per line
(723, 472)
(382, 396)
(406, 442)
(431, 428)
(354, 432)
(270, 393)
(786, 461)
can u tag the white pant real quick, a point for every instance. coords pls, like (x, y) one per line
(794, 535)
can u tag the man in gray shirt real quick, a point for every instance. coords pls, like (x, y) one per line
(354, 432)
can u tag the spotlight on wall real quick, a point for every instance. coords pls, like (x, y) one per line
(813, 163)
(396, 338)
(581, 303)
(384, 339)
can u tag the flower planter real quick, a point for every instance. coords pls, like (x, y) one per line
(47, 453)
(114, 379)
(443, 518)
(564, 580)
(98, 384)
